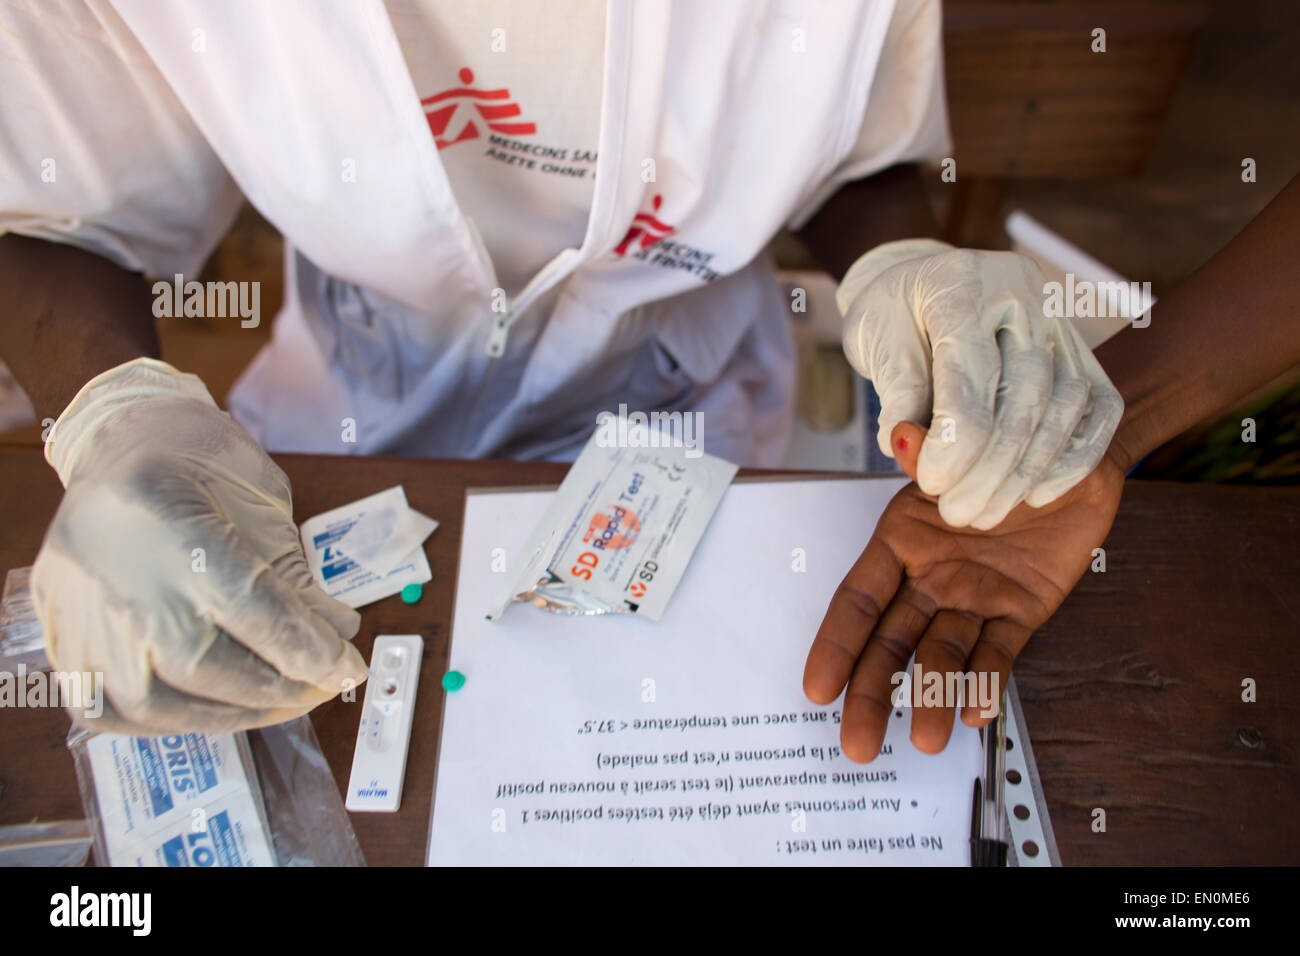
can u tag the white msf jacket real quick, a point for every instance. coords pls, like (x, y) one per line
(131, 127)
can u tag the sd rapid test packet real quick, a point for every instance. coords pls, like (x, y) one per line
(620, 530)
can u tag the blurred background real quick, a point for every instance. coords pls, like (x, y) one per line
(1133, 156)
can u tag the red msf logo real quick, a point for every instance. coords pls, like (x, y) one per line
(454, 115)
(646, 228)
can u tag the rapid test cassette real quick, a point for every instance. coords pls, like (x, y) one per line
(379, 762)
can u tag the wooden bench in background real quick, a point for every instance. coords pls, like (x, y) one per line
(1029, 99)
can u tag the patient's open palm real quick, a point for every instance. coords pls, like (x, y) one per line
(963, 600)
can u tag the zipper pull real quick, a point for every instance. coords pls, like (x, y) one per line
(496, 343)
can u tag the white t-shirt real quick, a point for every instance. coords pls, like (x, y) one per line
(136, 125)
(152, 196)
(512, 93)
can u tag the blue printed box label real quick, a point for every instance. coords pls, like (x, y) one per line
(180, 800)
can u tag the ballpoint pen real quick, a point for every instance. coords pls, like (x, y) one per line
(988, 845)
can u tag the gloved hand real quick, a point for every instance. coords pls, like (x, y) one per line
(1018, 408)
(173, 566)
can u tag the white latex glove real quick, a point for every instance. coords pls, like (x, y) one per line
(235, 636)
(1019, 409)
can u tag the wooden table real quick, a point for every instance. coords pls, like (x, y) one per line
(1132, 693)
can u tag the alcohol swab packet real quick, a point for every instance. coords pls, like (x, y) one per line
(338, 573)
(183, 800)
(621, 528)
(383, 538)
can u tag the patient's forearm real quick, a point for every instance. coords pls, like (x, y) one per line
(68, 315)
(1232, 327)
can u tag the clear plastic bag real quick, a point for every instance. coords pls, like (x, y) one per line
(61, 843)
(309, 823)
(22, 641)
(261, 798)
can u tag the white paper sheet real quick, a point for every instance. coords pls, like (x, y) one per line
(567, 711)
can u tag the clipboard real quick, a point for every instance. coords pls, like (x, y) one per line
(1028, 823)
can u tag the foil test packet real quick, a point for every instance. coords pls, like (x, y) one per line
(620, 530)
